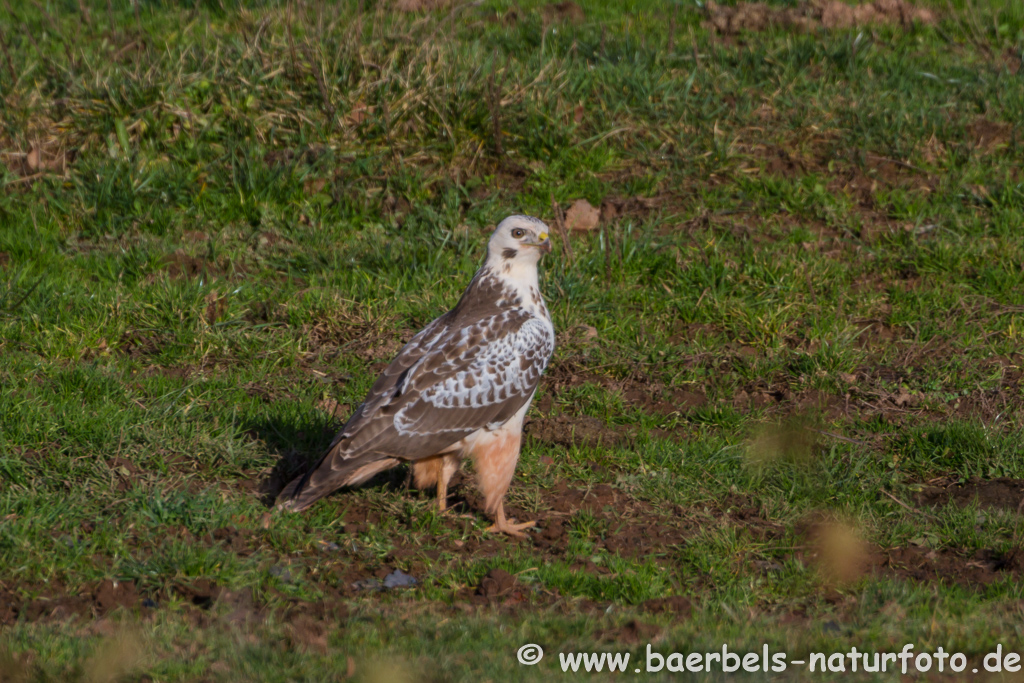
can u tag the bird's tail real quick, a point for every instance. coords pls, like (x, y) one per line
(330, 474)
(289, 499)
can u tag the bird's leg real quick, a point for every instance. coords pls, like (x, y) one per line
(495, 459)
(449, 465)
(442, 496)
(504, 526)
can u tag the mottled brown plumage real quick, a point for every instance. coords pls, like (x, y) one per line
(460, 388)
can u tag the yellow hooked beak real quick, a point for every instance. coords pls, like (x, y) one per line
(542, 243)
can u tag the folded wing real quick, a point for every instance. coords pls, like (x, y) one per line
(448, 382)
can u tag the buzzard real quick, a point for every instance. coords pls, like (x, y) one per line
(459, 388)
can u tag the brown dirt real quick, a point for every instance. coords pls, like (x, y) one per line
(55, 602)
(231, 538)
(201, 593)
(676, 605)
(495, 583)
(633, 632)
(125, 473)
(582, 217)
(49, 156)
(986, 135)
(875, 333)
(617, 520)
(946, 565)
(562, 11)
(613, 208)
(284, 157)
(993, 494)
(308, 634)
(807, 16)
(842, 557)
(783, 163)
(650, 396)
(109, 595)
(5, 258)
(1012, 60)
(622, 523)
(420, 5)
(140, 344)
(498, 587)
(585, 432)
(987, 405)
(179, 265)
(777, 398)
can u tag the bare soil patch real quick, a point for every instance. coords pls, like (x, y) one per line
(677, 605)
(633, 632)
(986, 135)
(124, 472)
(1003, 493)
(138, 344)
(50, 156)
(180, 265)
(947, 565)
(615, 207)
(806, 16)
(650, 396)
(562, 11)
(109, 595)
(832, 550)
(568, 431)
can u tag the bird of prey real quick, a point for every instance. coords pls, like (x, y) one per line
(459, 388)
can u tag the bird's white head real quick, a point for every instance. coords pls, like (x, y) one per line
(518, 242)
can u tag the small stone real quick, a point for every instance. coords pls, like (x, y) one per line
(399, 579)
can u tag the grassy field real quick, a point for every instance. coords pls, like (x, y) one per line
(786, 405)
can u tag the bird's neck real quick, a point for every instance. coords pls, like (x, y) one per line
(519, 275)
(510, 284)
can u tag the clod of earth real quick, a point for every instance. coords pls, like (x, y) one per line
(582, 217)
(109, 595)
(496, 583)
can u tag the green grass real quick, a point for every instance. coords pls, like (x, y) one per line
(235, 213)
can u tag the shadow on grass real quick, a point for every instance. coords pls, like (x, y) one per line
(298, 447)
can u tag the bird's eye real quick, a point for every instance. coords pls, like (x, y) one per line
(518, 233)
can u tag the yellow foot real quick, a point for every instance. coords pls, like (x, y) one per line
(506, 527)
